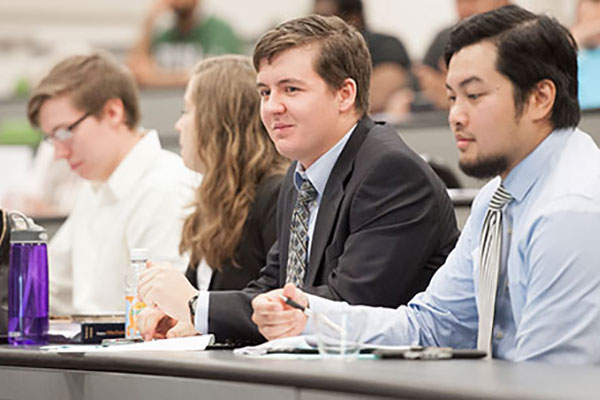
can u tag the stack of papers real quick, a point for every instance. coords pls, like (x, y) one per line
(296, 344)
(192, 343)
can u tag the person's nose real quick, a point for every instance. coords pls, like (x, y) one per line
(458, 116)
(273, 104)
(178, 124)
(61, 150)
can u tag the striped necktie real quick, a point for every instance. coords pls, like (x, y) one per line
(489, 267)
(298, 246)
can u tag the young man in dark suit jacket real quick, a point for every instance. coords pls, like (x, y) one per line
(380, 222)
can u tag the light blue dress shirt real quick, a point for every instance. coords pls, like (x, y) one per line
(318, 174)
(548, 305)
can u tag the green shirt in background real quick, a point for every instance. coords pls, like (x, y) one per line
(212, 36)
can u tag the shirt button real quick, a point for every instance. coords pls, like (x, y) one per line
(499, 335)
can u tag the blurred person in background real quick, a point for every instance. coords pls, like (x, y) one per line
(166, 57)
(135, 192)
(51, 189)
(390, 93)
(586, 32)
(431, 74)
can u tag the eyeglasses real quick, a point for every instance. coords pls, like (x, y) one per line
(64, 134)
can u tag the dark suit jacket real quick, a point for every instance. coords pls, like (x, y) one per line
(258, 235)
(384, 225)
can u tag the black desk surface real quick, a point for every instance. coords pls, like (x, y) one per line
(469, 379)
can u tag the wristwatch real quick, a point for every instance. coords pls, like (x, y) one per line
(192, 302)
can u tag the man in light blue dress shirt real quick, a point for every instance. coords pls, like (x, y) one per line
(512, 85)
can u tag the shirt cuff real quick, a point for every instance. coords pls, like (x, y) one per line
(320, 305)
(201, 318)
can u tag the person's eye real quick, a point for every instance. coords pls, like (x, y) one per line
(474, 96)
(61, 134)
(264, 92)
(451, 98)
(291, 89)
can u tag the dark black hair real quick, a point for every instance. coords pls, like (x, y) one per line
(531, 48)
(351, 11)
(353, 7)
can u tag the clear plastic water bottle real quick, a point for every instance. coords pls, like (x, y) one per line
(133, 304)
(27, 282)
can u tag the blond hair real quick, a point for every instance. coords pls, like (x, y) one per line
(236, 152)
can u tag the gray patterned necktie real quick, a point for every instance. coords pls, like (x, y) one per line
(298, 247)
(489, 267)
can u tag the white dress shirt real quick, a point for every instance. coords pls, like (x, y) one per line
(142, 204)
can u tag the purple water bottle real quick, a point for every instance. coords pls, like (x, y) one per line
(27, 282)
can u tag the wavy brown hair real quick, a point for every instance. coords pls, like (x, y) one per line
(236, 152)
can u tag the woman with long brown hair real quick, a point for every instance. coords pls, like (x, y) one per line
(232, 225)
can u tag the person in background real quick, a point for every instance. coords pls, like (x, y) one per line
(52, 187)
(431, 74)
(586, 32)
(232, 226)
(166, 58)
(523, 282)
(390, 80)
(135, 192)
(357, 209)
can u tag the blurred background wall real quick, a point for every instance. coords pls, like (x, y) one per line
(36, 33)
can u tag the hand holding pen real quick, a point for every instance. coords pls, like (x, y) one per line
(310, 313)
(274, 318)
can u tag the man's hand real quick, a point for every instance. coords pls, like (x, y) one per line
(274, 318)
(182, 329)
(164, 287)
(154, 324)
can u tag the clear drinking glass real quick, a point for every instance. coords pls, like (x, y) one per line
(336, 337)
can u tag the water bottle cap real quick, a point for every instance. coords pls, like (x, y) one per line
(24, 230)
(138, 254)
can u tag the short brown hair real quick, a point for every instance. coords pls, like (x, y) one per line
(343, 52)
(90, 80)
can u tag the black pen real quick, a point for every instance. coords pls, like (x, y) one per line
(300, 307)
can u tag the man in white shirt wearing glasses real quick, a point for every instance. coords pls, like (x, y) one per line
(135, 194)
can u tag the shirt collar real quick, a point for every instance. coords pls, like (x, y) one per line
(131, 169)
(318, 173)
(522, 178)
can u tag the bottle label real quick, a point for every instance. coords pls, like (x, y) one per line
(133, 307)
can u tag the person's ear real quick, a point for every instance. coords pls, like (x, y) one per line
(541, 100)
(114, 112)
(347, 95)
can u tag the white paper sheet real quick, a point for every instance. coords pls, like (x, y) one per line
(192, 343)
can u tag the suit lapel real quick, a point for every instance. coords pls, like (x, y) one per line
(333, 196)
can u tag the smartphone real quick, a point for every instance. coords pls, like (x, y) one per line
(430, 353)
